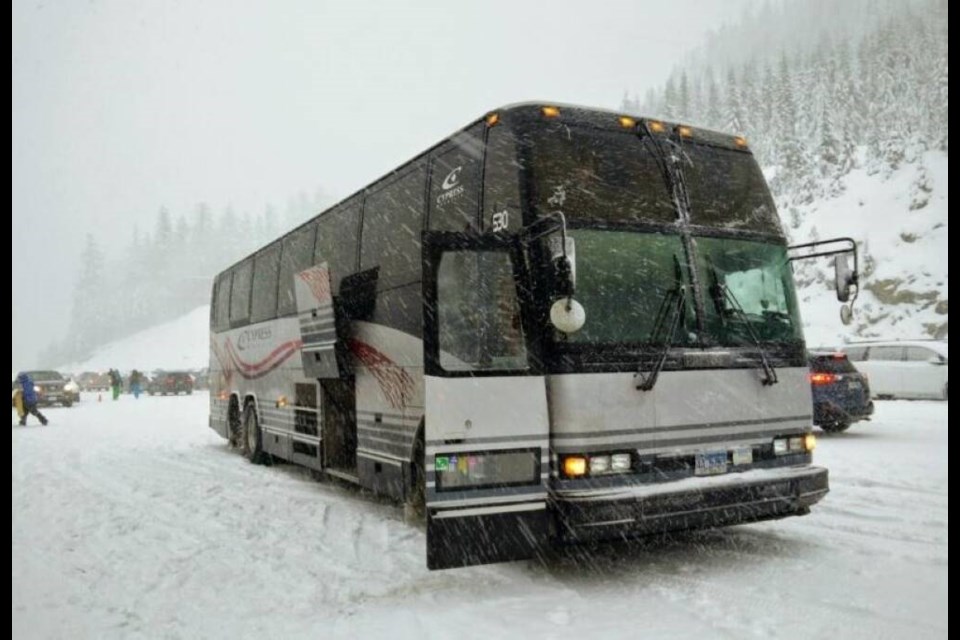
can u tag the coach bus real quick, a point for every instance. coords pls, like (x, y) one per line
(557, 325)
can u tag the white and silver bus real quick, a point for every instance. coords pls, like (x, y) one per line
(557, 325)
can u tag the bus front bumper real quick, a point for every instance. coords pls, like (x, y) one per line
(692, 503)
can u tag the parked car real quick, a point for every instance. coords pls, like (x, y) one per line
(50, 388)
(93, 381)
(170, 382)
(841, 394)
(903, 369)
(72, 390)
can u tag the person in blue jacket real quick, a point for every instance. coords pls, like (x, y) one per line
(29, 399)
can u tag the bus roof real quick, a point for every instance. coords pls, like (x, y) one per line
(518, 114)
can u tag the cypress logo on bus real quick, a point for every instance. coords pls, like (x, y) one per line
(452, 189)
(253, 335)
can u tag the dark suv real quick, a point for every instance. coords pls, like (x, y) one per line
(50, 388)
(841, 394)
(170, 382)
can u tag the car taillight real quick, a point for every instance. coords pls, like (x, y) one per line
(822, 378)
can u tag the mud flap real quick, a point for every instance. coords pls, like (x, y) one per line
(461, 538)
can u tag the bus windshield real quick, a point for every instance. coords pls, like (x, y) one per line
(622, 278)
(596, 174)
(758, 278)
(726, 189)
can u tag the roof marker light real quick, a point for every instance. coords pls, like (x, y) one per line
(655, 126)
(492, 119)
(550, 112)
(627, 122)
(684, 131)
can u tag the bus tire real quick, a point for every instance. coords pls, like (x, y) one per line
(234, 423)
(252, 436)
(418, 482)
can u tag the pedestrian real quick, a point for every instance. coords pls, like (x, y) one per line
(136, 379)
(29, 397)
(116, 382)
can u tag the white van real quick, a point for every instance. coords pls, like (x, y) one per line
(902, 369)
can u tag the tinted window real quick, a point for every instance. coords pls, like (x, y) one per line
(501, 182)
(831, 364)
(392, 224)
(886, 353)
(588, 173)
(919, 354)
(265, 268)
(296, 256)
(240, 293)
(455, 182)
(337, 242)
(753, 277)
(727, 189)
(856, 353)
(478, 313)
(222, 316)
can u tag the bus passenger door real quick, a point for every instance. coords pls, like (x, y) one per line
(486, 427)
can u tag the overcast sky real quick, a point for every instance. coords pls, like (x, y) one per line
(122, 107)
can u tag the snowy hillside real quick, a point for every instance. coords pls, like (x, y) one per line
(180, 344)
(899, 220)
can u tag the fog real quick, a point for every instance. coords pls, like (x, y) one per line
(121, 108)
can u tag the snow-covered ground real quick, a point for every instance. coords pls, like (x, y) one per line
(133, 519)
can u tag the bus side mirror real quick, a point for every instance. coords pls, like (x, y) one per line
(563, 277)
(845, 278)
(846, 314)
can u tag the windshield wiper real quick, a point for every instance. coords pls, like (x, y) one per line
(720, 294)
(674, 300)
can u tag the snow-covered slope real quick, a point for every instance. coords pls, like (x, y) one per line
(180, 344)
(899, 220)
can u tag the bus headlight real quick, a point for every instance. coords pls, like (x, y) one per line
(621, 462)
(779, 446)
(599, 464)
(795, 444)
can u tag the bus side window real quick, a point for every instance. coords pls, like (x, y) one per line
(296, 255)
(392, 224)
(265, 268)
(337, 242)
(501, 182)
(240, 294)
(222, 313)
(455, 182)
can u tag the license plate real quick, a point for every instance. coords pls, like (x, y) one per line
(711, 463)
(854, 384)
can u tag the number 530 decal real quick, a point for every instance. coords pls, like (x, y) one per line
(501, 219)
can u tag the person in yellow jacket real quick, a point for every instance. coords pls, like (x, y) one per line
(18, 403)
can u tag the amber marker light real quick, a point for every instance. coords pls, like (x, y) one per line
(574, 466)
(492, 119)
(810, 442)
(655, 126)
(684, 131)
(550, 112)
(740, 141)
(627, 122)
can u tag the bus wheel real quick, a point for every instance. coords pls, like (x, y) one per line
(233, 423)
(252, 437)
(418, 501)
